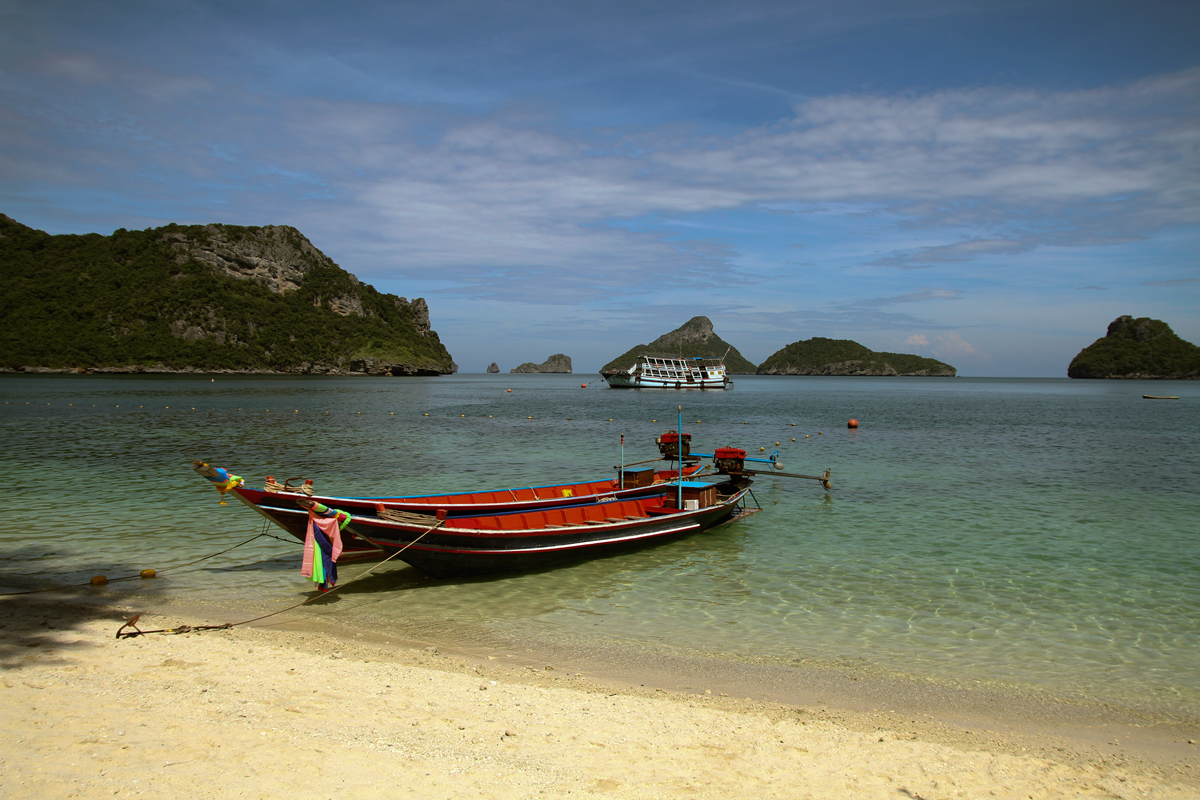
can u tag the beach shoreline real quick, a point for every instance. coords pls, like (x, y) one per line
(554, 721)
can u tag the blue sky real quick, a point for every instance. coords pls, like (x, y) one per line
(989, 183)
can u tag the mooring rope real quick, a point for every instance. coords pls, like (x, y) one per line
(132, 621)
(131, 577)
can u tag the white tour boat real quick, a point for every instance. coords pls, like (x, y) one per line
(670, 372)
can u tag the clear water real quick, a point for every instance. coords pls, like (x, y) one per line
(1036, 533)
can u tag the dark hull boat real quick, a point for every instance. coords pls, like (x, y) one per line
(520, 541)
(277, 502)
(528, 528)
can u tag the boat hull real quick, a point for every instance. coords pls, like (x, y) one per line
(281, 507)
(450, 552)
(627, 381)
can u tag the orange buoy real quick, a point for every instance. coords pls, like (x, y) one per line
(510, 390)
(148, 573)
(583, 386)
(852, 423)
(99, 580)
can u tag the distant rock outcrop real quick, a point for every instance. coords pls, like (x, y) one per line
(201, 298)
(1138, 348)
(694, 339)
(555, 363)
(820, 356)
(493, 368)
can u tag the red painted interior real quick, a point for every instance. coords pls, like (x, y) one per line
(579, 515)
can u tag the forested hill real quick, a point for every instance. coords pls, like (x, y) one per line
(1137, 348)
(693, 339)
(820, 356)
(201, 297)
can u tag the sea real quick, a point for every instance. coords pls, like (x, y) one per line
(1033, 535)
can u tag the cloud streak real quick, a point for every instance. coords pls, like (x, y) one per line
(497, 203)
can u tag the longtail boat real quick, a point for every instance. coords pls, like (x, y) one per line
(530, 527)
(277, 502)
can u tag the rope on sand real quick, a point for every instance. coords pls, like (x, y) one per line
(132, 621)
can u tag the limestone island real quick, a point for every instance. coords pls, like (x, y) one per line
(555, 363)
(820, 356)
(493, 368)
(1138, 348)
(201, 298)
(693, 339)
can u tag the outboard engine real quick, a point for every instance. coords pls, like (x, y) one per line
(670, 444)
(730, 460)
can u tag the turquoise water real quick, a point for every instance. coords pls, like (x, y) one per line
(1034, 533)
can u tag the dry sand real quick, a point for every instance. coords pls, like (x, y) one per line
(263, 712)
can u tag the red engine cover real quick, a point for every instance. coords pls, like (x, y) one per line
(729, 452)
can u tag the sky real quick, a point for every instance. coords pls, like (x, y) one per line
(986, 183)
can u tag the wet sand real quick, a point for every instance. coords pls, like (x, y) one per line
(299, 708)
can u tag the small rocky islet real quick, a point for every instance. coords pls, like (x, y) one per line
(821, 356)
(1141, 348)
(557, 363)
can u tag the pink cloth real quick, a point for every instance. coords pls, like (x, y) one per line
(329, 522)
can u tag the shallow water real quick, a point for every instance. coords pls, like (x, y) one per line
(1035, 533)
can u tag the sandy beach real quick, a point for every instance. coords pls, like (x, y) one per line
(285, 712)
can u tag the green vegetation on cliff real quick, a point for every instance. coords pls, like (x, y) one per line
(202, 297)
(1137, 348)
(694, 339)
(820, 356)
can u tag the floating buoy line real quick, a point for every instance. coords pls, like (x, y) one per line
(851, 425)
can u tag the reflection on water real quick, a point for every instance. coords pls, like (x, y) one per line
(1038, 532)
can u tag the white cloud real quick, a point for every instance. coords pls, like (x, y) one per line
(917, 340)
(951, 346)
(496, 203)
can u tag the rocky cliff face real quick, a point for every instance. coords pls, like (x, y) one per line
(693, 339)
(493, 368)
(1138, 348)
(278, 257)
(555, 363)
(275, 256)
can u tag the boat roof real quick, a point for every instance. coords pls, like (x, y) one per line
(682, 358)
